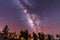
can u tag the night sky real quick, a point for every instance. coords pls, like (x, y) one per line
(48, 12)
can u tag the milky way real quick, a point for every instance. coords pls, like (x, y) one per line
(32, 19)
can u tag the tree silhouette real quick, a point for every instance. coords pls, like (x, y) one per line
(57, 35)
(34, 36)
(5, 30)
(21, 34)
(49, 37)
(39, 35)
(26, 35)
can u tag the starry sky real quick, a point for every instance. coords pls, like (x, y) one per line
(47, 11)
